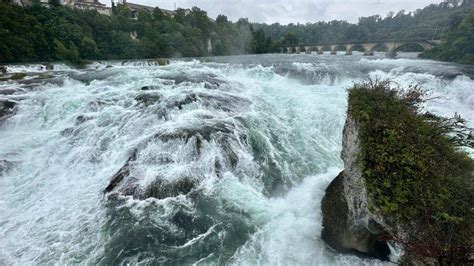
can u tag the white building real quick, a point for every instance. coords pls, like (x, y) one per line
(89, 5)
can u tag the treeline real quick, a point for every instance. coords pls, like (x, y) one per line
(55, 32)
(428, 23)
(457, 45)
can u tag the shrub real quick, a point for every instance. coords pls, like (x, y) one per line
(415, 171)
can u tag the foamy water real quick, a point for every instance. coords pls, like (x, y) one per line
(259, 136)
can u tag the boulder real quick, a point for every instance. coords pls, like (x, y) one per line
(148, 98)
(124, 183)
(49, 66)
(348, 226)
(9, 91)
(147, 88)
(129, 179)
(7, 108)
(81, 119)
(196, 135)
(188, 99)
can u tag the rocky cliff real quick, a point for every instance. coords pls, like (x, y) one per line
(406, 182)
(348, 225)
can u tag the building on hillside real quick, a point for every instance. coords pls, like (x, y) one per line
(24, 2)
(89, 5)
(79, 4)
(135, 8)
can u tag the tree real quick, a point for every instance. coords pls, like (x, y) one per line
(261, 44)
(291, 39)
(458, 45)
(69, 54)
(221, 19)
(88, 48)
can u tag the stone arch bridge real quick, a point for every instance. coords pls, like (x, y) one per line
(368, 48)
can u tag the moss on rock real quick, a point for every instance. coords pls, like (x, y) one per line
(415, 173)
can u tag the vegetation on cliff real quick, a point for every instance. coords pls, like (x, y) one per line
(416, 173)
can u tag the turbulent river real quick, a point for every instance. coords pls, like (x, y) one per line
(215, 161)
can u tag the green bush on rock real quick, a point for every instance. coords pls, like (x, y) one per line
(415, 172)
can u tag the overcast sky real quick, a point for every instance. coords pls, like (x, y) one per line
(290, 11)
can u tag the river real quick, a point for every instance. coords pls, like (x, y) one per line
(254, 141)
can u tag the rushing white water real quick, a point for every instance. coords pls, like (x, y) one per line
(258, 137)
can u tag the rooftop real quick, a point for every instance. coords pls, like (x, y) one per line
(148, 8)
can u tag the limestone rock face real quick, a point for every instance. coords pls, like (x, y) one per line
(348, 225)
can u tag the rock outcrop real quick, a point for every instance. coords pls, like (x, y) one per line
(348, 225)
(7, 108)
(126, 184)
(208, 143)
(128, 179)
(405, 182)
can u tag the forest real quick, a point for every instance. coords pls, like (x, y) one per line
(39, 33)
(55, 32)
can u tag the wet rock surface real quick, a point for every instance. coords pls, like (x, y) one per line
(81, 119)
(7, 108)
(207, 132)
(128, 179)
(348, 225)
(148, 98)
(148, 88)
(10, 91)
(338, 231)
(3, 70)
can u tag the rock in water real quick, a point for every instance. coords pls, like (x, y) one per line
(148, 98)
(176, 159)
(128, 180)
(348, 226)
(124, 183)
(405, 181)
(7, 107)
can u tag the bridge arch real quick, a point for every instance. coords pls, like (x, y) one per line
(312, 49)
(355, 47)
(419, 47)
(379, 47)
(301, 49)
(393, 48)
(326, 48)
(339, 47)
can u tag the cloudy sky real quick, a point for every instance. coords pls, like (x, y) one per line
(291, 11)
